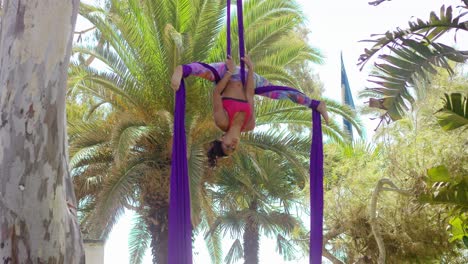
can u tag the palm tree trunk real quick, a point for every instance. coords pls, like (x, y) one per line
(158, 227)
(251, 237)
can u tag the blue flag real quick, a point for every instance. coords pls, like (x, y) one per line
(347, 97)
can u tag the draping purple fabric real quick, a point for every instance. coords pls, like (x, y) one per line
(180, 227)
(240, 24)
(228, 28)
(316, 169)
(316, 188)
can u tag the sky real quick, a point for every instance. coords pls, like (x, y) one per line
(335, 26)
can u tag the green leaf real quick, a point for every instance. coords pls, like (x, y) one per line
(454, 113)
(457, 227)
(439, 174)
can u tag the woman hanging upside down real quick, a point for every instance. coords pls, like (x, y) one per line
(233, 104)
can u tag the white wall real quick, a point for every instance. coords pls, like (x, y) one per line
(94, 251)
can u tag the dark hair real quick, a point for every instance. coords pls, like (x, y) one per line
(215, 152)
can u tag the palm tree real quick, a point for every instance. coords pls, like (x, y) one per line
(415, 54)
(122, 159)
(257, 194)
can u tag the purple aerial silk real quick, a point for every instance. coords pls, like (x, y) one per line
(240, 24)
(316, 188)
(316, 164)
(228, 28)
(180, 228)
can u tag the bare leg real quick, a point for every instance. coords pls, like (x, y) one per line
(176, 78)
(322, 108)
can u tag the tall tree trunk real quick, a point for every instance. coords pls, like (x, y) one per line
(158, 227)
(251, 237)
(38, 222)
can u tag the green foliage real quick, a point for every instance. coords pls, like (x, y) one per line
(454, 114)
(438, 174)
(459, 228)
(452, 191)
(413, 57)
(411, 233)
(420, 158)
(138, 240)
(259, 190)
(435, 158)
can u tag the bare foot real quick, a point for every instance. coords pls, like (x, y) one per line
(322, 108)
(176, 78)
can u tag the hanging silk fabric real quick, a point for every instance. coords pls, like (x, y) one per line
(180, 229)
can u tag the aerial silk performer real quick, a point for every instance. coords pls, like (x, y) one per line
(234, 113)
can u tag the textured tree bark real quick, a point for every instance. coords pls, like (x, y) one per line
(158, 226)
(251, 237)
(38, 222)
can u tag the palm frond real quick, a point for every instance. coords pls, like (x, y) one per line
(273, 222)
(277, 74)
(290, 147)
(206, 23)
(235, 253)
(411, 64)
(414, 56)
(100, 19)
(285, 248)
(454, 113)
(125, 135)
(286, 113)
(117, 191)
(86, 134)
(138, 240)
(85, 156)
(232, 223)
(290, 50)
(196, 167)
(214, 246)
(427, 31)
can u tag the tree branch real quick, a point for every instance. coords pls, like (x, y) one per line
(332, 234)
(330, 256)
(402, 192)
(373, 214)
(84, 31)
(100, 45)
